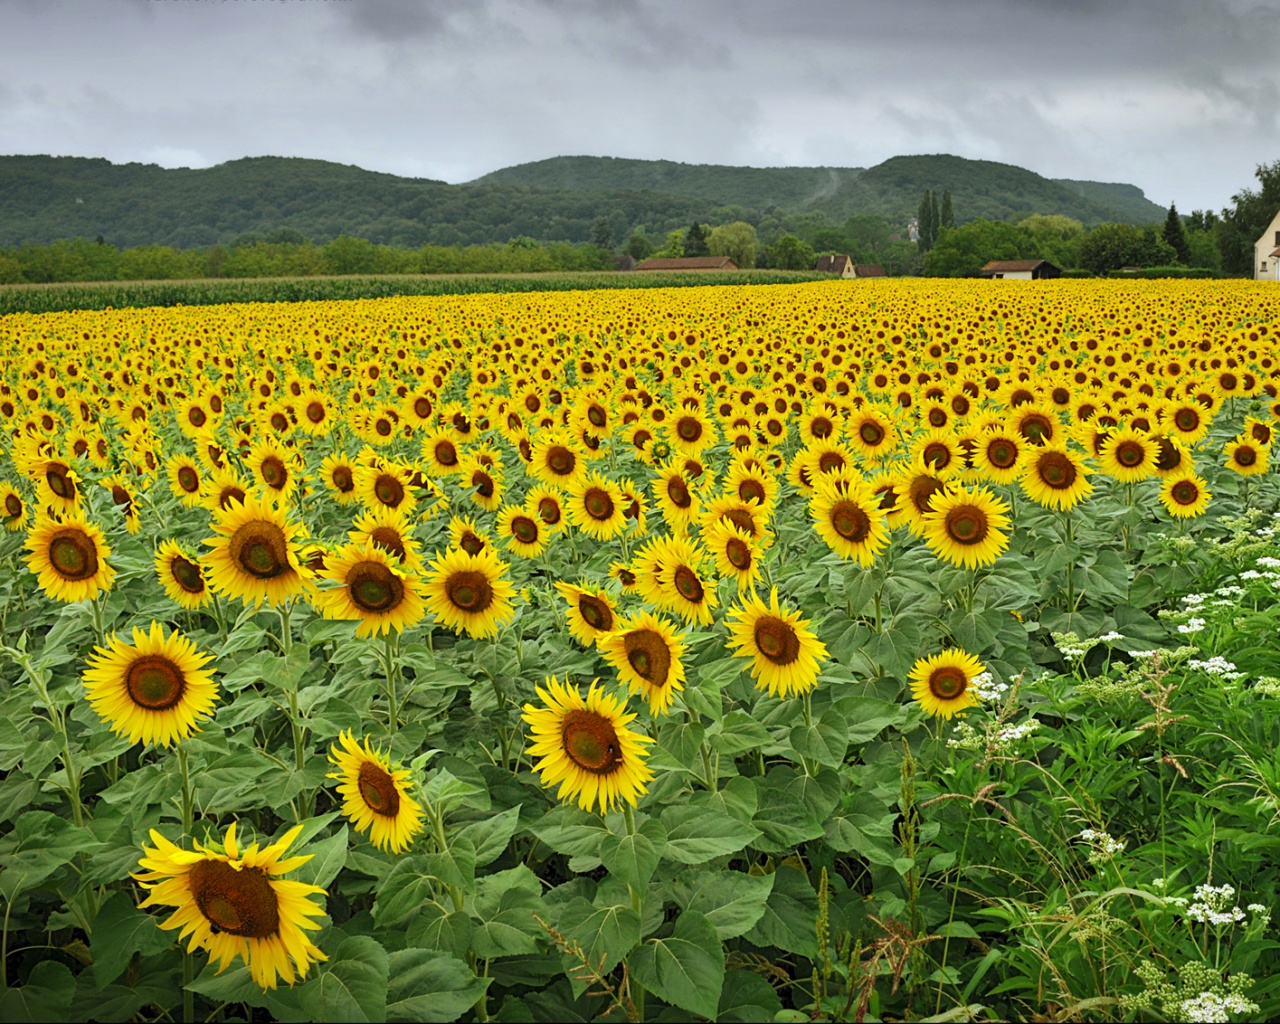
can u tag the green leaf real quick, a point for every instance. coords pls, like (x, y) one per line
(732, 901)
(607, 933)
(682, 742)
(38, 846)
(427, 985)
(696, 835)
(352, 986)
(783, 820)
(406, 887)
(746, 999)
(512, 930)
(435, 928)
(737, 733)
(456, 866)
(119, 931)
(236, 985)
(686, 968)
(570, 831)
(46, 996)
(869, 716)
(634, 858)
(790, 915)
(491, 836)
(825, 741)
(327, 858)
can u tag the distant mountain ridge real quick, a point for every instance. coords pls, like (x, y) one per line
(44, 199)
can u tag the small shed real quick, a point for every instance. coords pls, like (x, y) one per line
(688, 263)
(1266, 252)
(1021, 270)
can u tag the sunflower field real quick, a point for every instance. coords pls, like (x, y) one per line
(841, 651)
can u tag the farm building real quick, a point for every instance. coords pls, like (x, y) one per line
(689, 263)
(1266, 252)
(843, 266)
(1021, 270)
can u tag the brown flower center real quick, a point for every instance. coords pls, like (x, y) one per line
(524, 529)
(1056, 471)
(315, 412)
(1185, 492)
(237, 902)
(374, 588)
(549, 510)
(689, 429)
(121, 499)
(422, 407)
(1169, 457)
(188, 479)
(922, 490)
(1130, 454)
(648, 653)
(937, 454)
(678, 492)
(388, 490)
(1186, 419)
(1036, 428)
(56, 474)
(590, 742)
(469, 591)
(155, 683)
(187, 574)
(389, 540)
(12, 505)
(470, 543)
(378, 790)
(871, 433)
(948, 682)
(597, 415)
(738, 552)
(742, 519)
(777, 640)
(260, 549)
(196, 416)
(688, 585)
(598, 504)
(751, 490)
(821, 427)
(1002, 453)
(560, 460)
(73, 554)
(274, 473)
(850, 521)
(446, 453)
(1245, 456)
(830, 461)
(937, 417)
(966, 524)
(343, 479)
(597, 613)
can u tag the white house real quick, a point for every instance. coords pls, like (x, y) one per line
(1266, 252)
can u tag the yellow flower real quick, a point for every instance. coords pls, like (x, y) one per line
(590, 613)
(256, 557)
(375, 795)
(184, 579)
(965, 527)
(375, 590)
(943, 684)
(784, 652)
(69, 558)
(470, 592)
(648, 655)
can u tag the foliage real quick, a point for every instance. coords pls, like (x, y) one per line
(695, 241)
(737, 241)
(1244, 221)
(790, 253)
(1175, 236)
(964, 251)
(1112, 246)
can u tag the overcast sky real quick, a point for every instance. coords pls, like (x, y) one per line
(1179, 97)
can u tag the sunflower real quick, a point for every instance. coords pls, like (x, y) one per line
(554, 460)
(784, 652)
(339, 475)
(236, 904)
(998, 455)
(917, 490)
(57, 485)
(692, 431)
(736, 554)
(389, 530)
(184, 579)
(440, 451)
(1185, 495)
(1037, 423)
(585, 747)
(185, 479)
(850, 519)
(679, 586)
(69, 557)
(13, 508)
(484, 482)
(1129, 455)
(1056, 477)
(943, 684)
(375, 794)
(872, 432)
(625, 576)
(315, 417)
(223, 490)
(1188, 421)
(122, 497)
(940, 451)
(274, 466)
(648, 655)
(524, 533)
(256, 557)
(154, 690)
(965, 527)
(470, 592)
(591, 614)
(1174, 458)
(1245, 457)
(596, 506)
(549, 506)
(464, 533)
(676, 499)
(747, 516)
(752, 483)
(374, 590)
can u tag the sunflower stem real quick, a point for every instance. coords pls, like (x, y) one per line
(95, 607)
(188, 805)
(286, 629)
(390, 664)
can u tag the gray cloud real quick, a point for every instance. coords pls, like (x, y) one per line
(1180, 97)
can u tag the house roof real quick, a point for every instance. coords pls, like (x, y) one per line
(835, 263)
(868, 270)
(1012, 266)
(1276, 251)
(689, 263)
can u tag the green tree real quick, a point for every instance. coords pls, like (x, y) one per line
(673, 248)
(602, 233)
(1176, 236)
(790, 253)
(946, 218)
(964, 251)
(638, 246)
(1112, 246)
(1202, 220)
(695, 241)
(926, 226)
(736, 240)
(1203, 246)
(10, 269)
(1245, 220)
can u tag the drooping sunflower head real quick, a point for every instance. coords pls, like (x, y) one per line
(584, 747)
(255, 556)
(590, 613)
(680, 584)
(784, 651)
(375, 794)
(736, 553)
(184, 579)
(966, 527)
(647, 654)
(69, 557)
(234, 902)
(470, 592)
(943, 683)
(154, 690)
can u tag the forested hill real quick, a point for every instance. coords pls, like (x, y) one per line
(754, 188)
(979, 188)
(43, 199)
